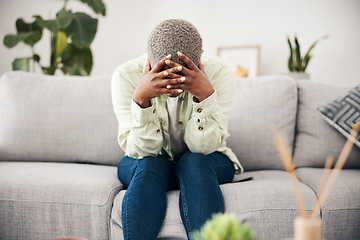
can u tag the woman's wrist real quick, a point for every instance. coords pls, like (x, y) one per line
(205, 94)
(141, 101)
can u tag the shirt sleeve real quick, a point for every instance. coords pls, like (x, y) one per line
(139, 130)
(207, 129)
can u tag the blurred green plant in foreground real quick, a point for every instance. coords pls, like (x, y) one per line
(224, 227)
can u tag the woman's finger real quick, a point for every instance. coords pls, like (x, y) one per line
(175, 81)
(161, 63)
(173, 70)
(201, 67)
(173, 64)
(172, 75)
(191, 65)
(147, 66)
(174, 92)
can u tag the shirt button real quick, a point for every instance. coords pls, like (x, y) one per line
(154, 111)
(181, 98)
(198, 120)
(180, 123)
(157, 131)
(201, 128)
(199, 110)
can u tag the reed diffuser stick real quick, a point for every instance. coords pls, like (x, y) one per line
(324, 178)
(338, 166)
(289, 166)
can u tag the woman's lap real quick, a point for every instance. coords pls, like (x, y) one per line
(196, 175)
(219, 164)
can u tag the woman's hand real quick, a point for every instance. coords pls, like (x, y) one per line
(155, 82)
(196, 82)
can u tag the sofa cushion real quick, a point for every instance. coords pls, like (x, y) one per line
(57, 118)
(344, 112)
(342, 203)
(265, 203)
(315, 138)
(53, 200)
(260, 103)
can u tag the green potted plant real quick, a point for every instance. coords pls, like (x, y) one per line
(71, 36)
(297, 63)
(224, 227)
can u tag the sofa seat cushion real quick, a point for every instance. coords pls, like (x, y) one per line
(53, 200)
(342, 204)
(315, 138)
(57, 118)
(267, 203)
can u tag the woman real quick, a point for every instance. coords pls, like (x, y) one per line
(172, 109)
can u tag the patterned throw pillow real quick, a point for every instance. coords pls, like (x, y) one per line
(344, 112)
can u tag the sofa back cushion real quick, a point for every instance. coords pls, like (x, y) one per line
(260, 103)
(315, 138)
(57, 118)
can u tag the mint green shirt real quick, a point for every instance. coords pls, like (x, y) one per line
(145, 131)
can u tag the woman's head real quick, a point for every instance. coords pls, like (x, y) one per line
(171, 36)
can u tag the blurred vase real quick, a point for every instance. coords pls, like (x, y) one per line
(307, 228)
(298, 75)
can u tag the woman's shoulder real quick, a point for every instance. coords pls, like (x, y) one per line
(214, 66)
(212, 60)
(130, 70)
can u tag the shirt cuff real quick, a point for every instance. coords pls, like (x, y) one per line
(206, 107)
(143, 115)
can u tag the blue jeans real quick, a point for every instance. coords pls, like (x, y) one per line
(196, 175)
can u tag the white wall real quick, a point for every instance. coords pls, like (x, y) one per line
(122, 34)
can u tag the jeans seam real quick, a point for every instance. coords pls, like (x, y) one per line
(126, 215)
(185, 212)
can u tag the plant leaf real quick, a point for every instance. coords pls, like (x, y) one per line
(290, 61)
(76, 61)
(61, 42)
(307, 55)
(21, 64)
(223, 226)
(296, 68)
(97, 6)
(52, 25)
(298, 55)
(49, 70)
(36, 58)
(82, 29)
(306, 61)
(12, 40)
(33, 29)
(62, 21)
(65, 17)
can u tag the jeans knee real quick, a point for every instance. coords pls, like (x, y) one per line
(193, 165)
(150, 167)
(190, 159)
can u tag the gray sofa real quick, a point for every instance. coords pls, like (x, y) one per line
(58, 157)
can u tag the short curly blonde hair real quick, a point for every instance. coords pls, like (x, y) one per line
(171, 36)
